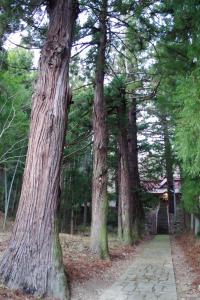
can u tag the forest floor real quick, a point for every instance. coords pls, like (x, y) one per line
(90, 276)
(186, 261)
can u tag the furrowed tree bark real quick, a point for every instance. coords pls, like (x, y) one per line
(33, 260)
(125, 198)
(99, 240)
(138, 213)
(85, 203)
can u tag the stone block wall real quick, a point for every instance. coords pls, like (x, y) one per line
(177, 223)
(151, 221)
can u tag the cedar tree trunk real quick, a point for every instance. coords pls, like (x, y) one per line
(125, 199)
(33, 260)
(99, 240)
(133, 163)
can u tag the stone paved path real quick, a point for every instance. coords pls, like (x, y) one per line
(150, 277)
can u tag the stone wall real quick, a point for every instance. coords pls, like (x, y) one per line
(177, 223)
(151, 221)
(195, 224)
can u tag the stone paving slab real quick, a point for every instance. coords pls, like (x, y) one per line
(151, 276)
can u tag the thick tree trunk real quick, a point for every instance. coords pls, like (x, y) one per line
(65, 200)
(33, 259)
(168, 163)
(125, 198)
(133, 163)
(99, 240)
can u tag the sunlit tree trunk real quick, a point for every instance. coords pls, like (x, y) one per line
(99, 240)
(33, 260)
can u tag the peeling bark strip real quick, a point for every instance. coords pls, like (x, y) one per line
(33, 259)
(99, 241)
(125, 200)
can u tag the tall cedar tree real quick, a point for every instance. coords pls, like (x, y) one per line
(125, 208)
(133, 163)
(99, 240)
(33, 259)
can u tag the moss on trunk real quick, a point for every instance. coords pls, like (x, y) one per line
(103, 236)
(58, 287)
(32, 261)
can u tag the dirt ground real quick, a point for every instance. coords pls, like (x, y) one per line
(90, 276)
(121, 258)
(186, 260)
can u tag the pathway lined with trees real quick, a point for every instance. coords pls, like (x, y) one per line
(151, 276)
(115, 102)
(139, 272)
